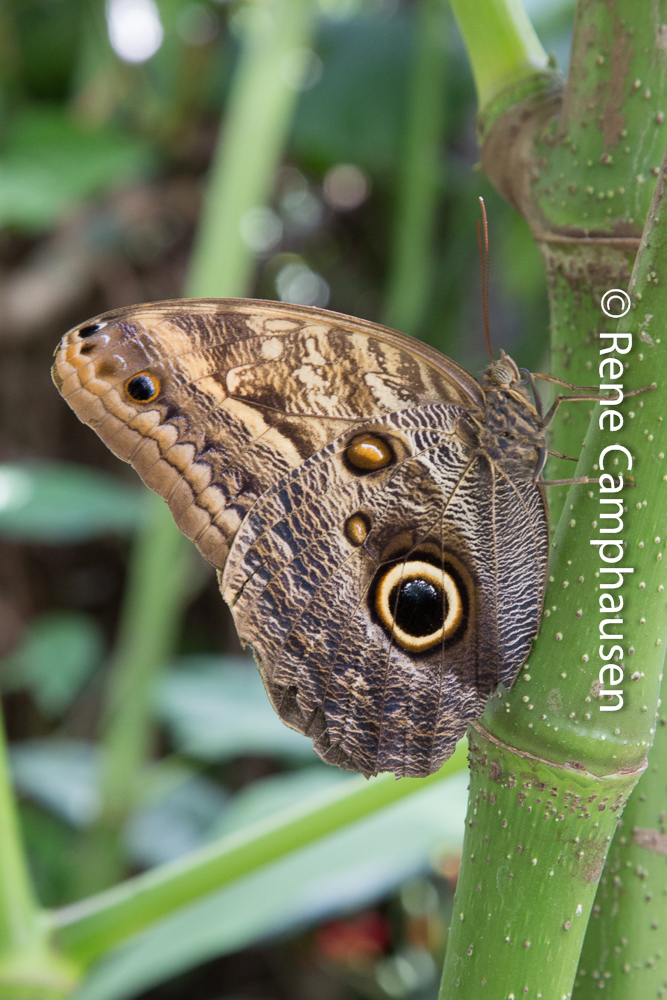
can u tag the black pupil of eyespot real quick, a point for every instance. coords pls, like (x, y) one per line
(421, 607)
(88, 331)
(141, 387)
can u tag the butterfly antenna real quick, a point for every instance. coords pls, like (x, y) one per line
(484, 268)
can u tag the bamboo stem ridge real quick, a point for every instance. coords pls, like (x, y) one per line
(579, 162)
(537, 835)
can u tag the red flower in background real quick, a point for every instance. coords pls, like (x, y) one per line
(359, 939)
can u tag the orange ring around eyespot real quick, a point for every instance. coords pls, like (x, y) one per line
(442, 580)
(154, 387)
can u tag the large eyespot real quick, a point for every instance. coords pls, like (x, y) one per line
(421, 604)
(143, 387)
(367, 453)
(89, 329)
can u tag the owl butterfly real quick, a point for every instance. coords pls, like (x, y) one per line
(375, 514)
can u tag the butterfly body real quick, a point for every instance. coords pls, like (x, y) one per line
(372, 510)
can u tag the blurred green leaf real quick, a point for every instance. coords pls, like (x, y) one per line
(60, 775)
(216, 708)
(178, 809)
(366, 56)
(50, 164)
(180, 821)
(57, 654)
(60, 502)
(51, 845)
(262, 799)
(349, 869)
(45, 37)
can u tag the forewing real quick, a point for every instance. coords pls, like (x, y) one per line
(248, 390)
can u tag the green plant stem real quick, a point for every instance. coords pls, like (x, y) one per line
(535, 842)
(150, 620)
(595, 186)
(501, 44)
(411, 268)
(258, 115)
(86, 930)
(545, 746)
(17, 904)
(26, 957)
(624, 942)
(155, 588)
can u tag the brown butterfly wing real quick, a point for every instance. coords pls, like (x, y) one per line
(302, 590)
(248, 411)
(248, 390)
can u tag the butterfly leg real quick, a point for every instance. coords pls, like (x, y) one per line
(566, 385)
(592, 395)
(537, 475)
(597, 398)
(568, 482)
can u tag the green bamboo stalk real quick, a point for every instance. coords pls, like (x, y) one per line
(258, 115)
(534, 847)
(26, 956)
(502, 46)
(624, 946)
(86, 930)
(594, 154)
(545, 746)
(411, 266)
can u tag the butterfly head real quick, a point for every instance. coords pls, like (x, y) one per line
(502, 374)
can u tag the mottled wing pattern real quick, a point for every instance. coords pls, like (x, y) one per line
(247, 424)
(521, 550)
(247, 391)
(301, 591)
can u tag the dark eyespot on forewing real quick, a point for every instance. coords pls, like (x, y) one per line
(143, 387)
(90, 329)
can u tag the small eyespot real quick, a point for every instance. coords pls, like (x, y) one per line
(143, 387)
(89, 329)
(357, 528)
(368, 453)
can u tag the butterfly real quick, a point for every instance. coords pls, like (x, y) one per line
(376, 515)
